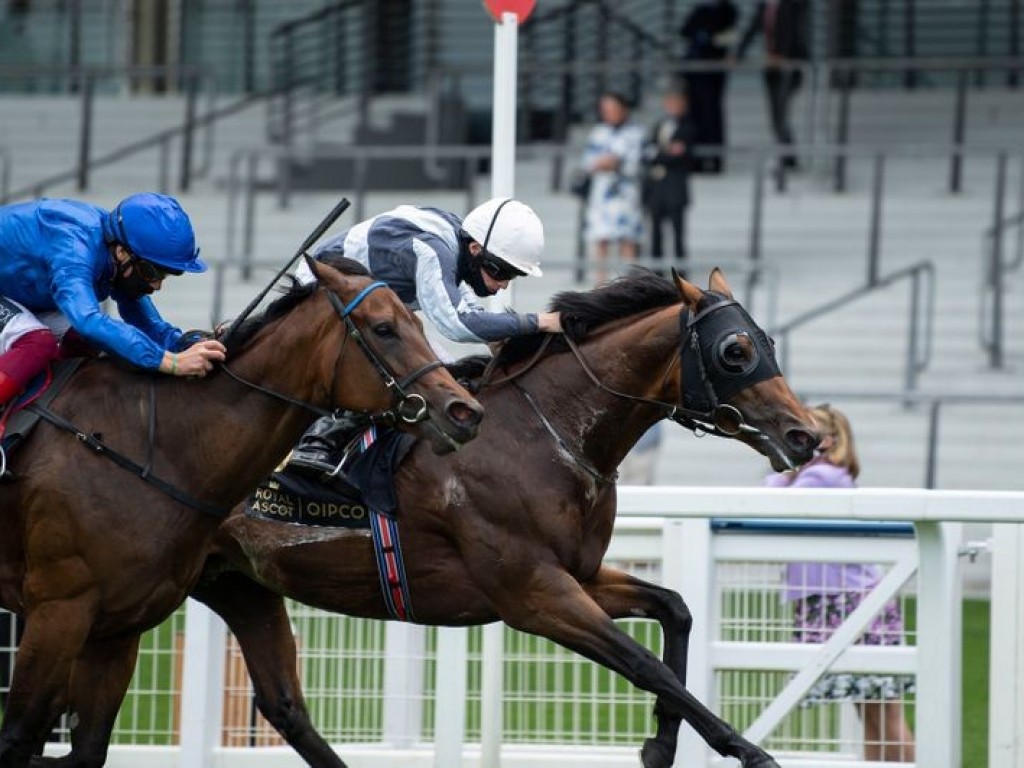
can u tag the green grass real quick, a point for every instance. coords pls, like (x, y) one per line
(975, 684)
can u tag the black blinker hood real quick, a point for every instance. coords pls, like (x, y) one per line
(705, 384)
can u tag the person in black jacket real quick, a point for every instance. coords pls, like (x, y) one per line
(709, 32)
(667, 179)
(783, 26)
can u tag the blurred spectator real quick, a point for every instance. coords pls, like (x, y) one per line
(824, 594)
(667, 181)
(783, 27)
(612, 158)
(709, 31)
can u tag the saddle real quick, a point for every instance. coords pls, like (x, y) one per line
(17, 421)
(365, 484)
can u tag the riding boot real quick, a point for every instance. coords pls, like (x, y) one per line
(322, 448)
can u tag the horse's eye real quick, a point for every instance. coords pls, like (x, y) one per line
(385, 330)
(736, 353)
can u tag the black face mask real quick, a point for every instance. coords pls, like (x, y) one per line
(133, 285)
(469, 271)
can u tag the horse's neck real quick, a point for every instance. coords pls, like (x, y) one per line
(632, 359)
(242, 432)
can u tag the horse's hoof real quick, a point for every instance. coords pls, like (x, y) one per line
(762, 761)
(655, 755)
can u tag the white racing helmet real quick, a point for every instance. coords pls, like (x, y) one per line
(510, 230)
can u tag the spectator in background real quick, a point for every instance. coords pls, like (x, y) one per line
(709, 31)
(612, 158)
(667, 181)
(783, 27)
(824, 594)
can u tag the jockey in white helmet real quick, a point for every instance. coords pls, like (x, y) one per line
(439, 264)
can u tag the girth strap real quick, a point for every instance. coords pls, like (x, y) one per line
(94, 443)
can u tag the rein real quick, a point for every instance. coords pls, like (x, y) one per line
(719, 419)
(410, 408)
(416, 402)
(95, 443)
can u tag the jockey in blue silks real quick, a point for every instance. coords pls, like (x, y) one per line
(60, 258)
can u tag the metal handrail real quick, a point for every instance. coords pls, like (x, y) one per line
(991, 306)
(86, 76)
(934, 400)
(920, 325)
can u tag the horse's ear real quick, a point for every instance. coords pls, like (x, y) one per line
(691, 293)
(718, 284)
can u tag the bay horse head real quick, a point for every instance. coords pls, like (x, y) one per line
(730, 381)
(363, 336)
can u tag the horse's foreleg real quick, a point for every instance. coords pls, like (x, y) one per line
(99, 682)
(260, 623)
(623, 596)
(54, 635)
(553, 605)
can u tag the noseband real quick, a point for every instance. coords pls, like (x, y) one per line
(409, 408)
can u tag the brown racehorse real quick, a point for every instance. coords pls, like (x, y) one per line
(516, 528)
(93, 555)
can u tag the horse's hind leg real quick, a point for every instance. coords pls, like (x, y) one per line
(552, 604)
(623, 596)
(54, 634)
(259, 621)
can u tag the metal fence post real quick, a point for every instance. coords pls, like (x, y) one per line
(931, 466)
(995, 275)
(188, 132)
(959, 121)
(938, 644)
(85, 134)
(845, 78)
(202, 685)
(757, 212)
(875, 233)
(910, 373)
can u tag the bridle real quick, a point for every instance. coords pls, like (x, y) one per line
(409, 408)
(704, 386)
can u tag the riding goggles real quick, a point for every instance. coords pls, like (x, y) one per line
(150, 272)
(500, 270)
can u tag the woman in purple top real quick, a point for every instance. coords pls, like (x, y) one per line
(824, 594)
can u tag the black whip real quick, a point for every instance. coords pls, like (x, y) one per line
(315, 235)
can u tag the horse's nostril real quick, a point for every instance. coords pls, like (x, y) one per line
(465, 413)
(801, 439)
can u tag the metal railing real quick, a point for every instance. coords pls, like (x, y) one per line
(992, 305)
(920, 322)
(86, 79)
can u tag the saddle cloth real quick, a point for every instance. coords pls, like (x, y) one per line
(367, 482)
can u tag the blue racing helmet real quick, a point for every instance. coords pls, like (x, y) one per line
(155, 228)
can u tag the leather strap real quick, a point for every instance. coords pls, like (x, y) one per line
(94, 443)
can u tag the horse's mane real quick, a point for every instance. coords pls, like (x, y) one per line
(292, 293)
(638, 291)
